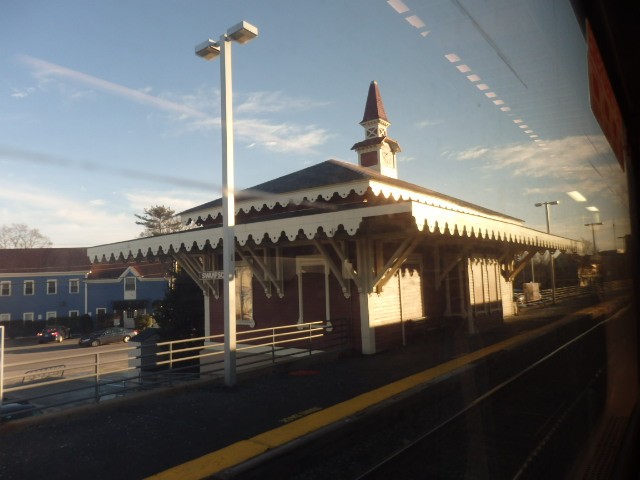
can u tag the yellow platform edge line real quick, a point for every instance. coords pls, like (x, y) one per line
(244, 450)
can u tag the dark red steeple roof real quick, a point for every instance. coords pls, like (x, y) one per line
(374, 109)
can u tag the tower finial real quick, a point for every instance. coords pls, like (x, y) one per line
(377, 151)
(374, 108)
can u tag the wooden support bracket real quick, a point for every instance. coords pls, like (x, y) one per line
(337, 271)
(395, 262)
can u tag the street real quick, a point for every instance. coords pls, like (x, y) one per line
(29, 364)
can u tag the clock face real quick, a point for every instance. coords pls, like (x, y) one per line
(387, 159)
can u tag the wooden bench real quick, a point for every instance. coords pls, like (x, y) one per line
(44, 373)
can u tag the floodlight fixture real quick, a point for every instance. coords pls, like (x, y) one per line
(593, 234)
(553, 268)
(243, 32)
(208, 49)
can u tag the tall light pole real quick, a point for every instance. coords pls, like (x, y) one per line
(593, 234)
(553, 267)
(242, 33)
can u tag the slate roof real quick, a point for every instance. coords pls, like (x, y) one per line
(114, 270)
(38, 260)
(326, 174)
(27, 261)
(374, 107)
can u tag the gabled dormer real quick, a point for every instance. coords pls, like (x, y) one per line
(377, 151)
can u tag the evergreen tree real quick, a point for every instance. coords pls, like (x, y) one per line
(158, 220)
(181, 313)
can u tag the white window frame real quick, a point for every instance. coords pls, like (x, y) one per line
(28, 316)
(128, 281)
(53, 282)
(5, 284)
(51, 314)
(72, 282)
(33, 287)
(101, 311)
(74, 313)
(129, 292)
(5, 317)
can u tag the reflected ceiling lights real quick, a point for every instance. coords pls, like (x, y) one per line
(577, 196)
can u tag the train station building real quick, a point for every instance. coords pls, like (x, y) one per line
(354, 243)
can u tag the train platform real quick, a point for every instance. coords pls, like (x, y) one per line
(204, 429)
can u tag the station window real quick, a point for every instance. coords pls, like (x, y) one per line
(74, 285)
(52, 287)
(244, 296)
(29, 287)
(5, 289)
(130, 284)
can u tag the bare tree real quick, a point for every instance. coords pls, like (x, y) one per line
(158, 220)
(18, 235)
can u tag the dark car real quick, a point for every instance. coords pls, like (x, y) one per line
(54, 333)
(107, 335)
(15, 410)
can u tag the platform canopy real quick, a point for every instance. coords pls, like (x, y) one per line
(331, 197)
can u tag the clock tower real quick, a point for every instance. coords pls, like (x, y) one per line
(377, 151)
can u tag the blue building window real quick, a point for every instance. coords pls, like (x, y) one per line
(74, 286)
(52, 287)
(130, 284)
(29, 287)
(5, 289)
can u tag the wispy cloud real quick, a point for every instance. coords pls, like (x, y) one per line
(46, 70)
(281, 137)
(270, 102)
(61, 217)
(472, 153)
(428, 123)
(22, 92)
(571, 159)
(272, 136)
(177, 200)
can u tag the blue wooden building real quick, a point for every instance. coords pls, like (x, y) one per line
(52, 284)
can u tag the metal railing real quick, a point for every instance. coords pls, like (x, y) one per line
(95, 376)
(578, 291)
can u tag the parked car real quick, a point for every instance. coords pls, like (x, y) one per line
(15, 410)
(54, 333)
(107, 335)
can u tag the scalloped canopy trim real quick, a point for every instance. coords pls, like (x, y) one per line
(435, 218)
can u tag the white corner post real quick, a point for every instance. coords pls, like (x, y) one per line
(228, 214)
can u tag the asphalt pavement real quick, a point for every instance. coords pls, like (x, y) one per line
(148, 433)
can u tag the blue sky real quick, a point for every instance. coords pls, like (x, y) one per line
(105, 110)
